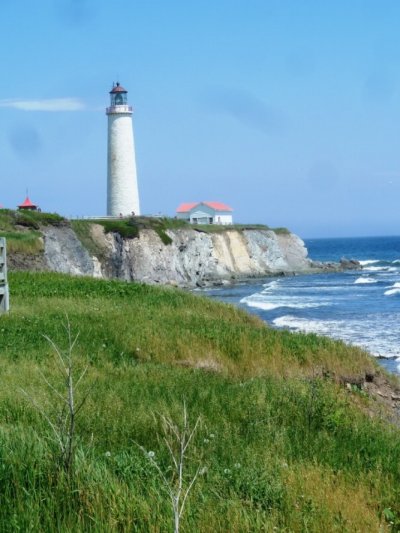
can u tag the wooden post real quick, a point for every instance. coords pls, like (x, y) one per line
(4, 295)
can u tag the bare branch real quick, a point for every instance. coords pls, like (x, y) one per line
(55, 347)
(64, 425)
(154, 463)
(179, 437)
(171, 452)
(188, 490)
(81, 376)
(191, 434)
(43, 413)
(51, 386)
(83, 401)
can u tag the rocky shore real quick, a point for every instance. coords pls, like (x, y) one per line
(191, 258)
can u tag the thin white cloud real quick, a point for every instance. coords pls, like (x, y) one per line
(52, 105)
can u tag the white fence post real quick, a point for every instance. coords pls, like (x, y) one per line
(4, 294)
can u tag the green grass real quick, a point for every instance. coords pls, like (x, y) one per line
(216, 228)
(284, 447)
(130, 228)
(83, 229)
(21, 229)
(219, 228)
(29, 219)
(28, 242)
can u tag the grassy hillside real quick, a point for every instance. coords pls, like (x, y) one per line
(131, 227)
(282, 446)
(20, 228)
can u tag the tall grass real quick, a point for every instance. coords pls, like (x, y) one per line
(30, 242)
(283, 446)
(20, 228)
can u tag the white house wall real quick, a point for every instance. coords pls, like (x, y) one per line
(201, 214)
(219, 217)
(223, 219)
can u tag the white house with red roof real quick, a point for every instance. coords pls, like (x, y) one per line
(205, 213)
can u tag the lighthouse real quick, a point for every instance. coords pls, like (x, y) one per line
(122, 188)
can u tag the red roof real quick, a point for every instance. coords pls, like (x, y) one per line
(118, 89)
(218, 206)
(184, 208)
(27, 203)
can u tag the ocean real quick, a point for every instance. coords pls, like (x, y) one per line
(359, 307)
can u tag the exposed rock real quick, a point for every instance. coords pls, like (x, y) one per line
(64, 252)
(194, 258)
(349, 264)
(330, 266)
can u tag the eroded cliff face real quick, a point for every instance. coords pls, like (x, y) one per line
(192, 259)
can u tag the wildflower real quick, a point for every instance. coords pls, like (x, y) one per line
(212, 436)
(107, 454)
(227, 471)
(151, 454)
(237, 465)
(206, 441)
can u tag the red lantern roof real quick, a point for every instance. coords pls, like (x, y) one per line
(217, 206)
(118, 89)
(27, 203)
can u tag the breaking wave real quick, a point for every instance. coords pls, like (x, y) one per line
(364, 280)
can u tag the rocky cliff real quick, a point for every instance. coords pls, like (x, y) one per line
(193, 258)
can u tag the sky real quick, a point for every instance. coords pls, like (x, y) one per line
(287, 110)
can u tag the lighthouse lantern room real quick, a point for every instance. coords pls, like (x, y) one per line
(122, 188)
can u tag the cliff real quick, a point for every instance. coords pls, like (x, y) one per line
(192, 258)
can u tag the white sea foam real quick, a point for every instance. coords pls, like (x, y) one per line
(380, 269)
(269, 306)
(270, 285)
(395, 286)
(369, 262)
(359, 333)
(263, 305)
(363, 279)
(391, 292)
(303, 324)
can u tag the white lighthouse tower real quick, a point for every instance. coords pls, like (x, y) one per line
(122, 188)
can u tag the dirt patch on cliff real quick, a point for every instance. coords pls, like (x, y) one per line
(17, 261)
(383, 392)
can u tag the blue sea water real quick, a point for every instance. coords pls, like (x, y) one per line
(360, 307)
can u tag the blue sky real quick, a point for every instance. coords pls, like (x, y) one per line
(288, 110)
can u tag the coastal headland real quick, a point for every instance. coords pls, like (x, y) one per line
(157, 250)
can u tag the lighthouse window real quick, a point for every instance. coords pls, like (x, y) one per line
(119, 99)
